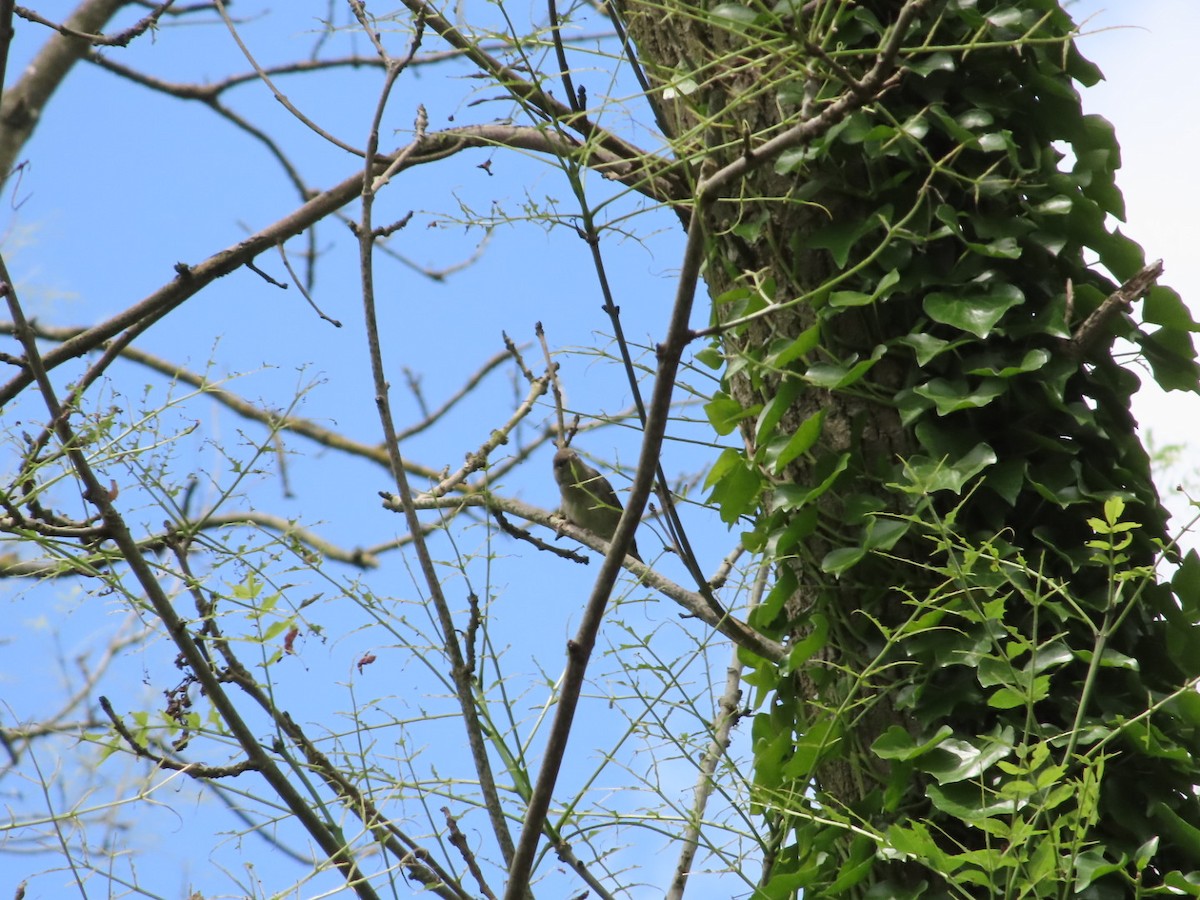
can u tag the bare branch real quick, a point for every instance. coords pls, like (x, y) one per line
(120, 39)
(460, 675)
(21, 106)
(695, 605)
(190, 280)
(1084, 340)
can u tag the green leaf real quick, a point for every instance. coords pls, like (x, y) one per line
(1188, 884)
(839, 561)
(840, 237)
(278, 628)
(794, 496)
(884, 532)
(925, 346)
(951, 396)
(835, 377)
(855, 869)
(1091, 865)
(819, 739)
(800, 442)
(1164, 306)
(1173, 359)
(932, 475)
(735, 486)
(897, 743)
(733, 14)
(1008, 698)
(777, 406)
(934, 62)
(712, 357)
(977, 315)
(801, 525)
(965, 801)
(764, 614)
(839, 299)
(1186, 584)
(995, 142)
(960, 760)
(724, 413)
(1058, 205)
(1030, 362)
(793, 350)
(802, 651)
(911, 406)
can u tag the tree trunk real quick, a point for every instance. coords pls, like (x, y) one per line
(919, 271)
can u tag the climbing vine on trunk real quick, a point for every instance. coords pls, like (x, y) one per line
(929, 335)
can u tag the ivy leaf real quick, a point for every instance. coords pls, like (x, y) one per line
(785, 394)
(1164, 306)
(932, 475)
(1004, 248)
(961, 760)
(897, 743)
(839, 299)
(835, 377)
(963, 801)
(1031, 362)
(724, 413)
(791, 351)
(977, 315)
(806, 435)
(934, 62)
(841, 560)
(925, 346)
(1173, 359)
(840, 237)
(951, 396)
(819, 739)
(794, 496)
(802, 651)
(1058, 205)
(735, 486)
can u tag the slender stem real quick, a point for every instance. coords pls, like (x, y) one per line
(459, 672)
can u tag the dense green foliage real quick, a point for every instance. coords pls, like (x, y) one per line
(993, 593)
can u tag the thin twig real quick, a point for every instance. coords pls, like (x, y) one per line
(728, 713)
(560, 54)
(658, 174)
(693, 603)
(464, 687)
(120, 39)
(191, 769)
(497, 437)
(276, 92)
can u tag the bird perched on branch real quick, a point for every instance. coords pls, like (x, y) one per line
(588, 500)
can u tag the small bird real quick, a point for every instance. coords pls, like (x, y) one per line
(588, 500)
